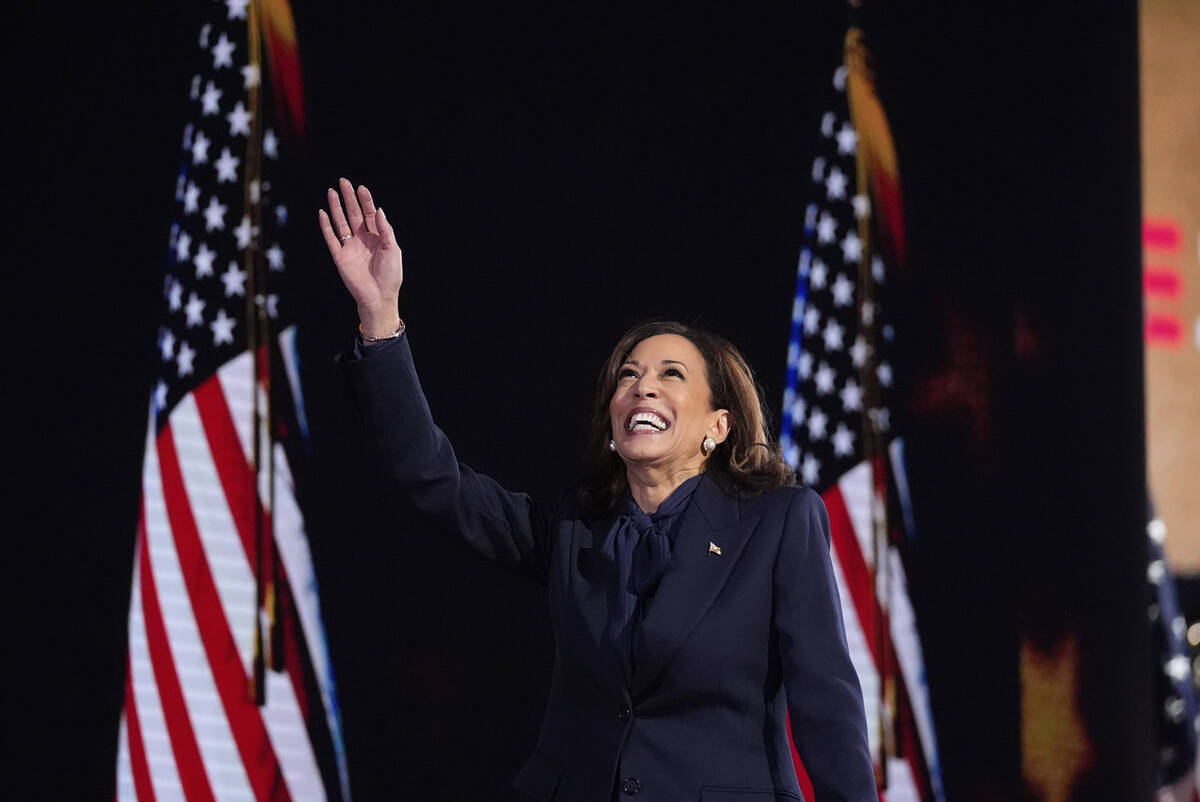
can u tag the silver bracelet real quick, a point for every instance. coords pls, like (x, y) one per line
(367, 338)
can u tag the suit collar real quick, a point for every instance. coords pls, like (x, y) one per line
(716, 501)
(689, 587)
(710, 540)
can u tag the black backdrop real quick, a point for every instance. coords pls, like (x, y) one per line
(555, 175)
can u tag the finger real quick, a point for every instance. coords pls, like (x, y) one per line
(386, 232)
(331, 239)
(340, 226)
(353, 211)
(368, 208)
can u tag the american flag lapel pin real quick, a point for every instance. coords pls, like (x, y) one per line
(713, 548)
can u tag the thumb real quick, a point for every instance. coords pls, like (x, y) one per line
(385, 229)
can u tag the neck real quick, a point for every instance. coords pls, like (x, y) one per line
(651, 486)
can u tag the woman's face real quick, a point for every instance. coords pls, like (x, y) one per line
(661, 410)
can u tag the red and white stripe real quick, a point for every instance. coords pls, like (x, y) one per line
(290, 538)
(856, 517)
(191, 729)
(901, 785)
(849, 505)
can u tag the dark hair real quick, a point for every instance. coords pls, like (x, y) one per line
(749, 458)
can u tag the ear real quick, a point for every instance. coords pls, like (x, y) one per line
(720, 422)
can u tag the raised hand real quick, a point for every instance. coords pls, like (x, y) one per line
(364, 249)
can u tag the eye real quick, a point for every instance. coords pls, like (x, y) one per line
(626, 373)
(676, 372)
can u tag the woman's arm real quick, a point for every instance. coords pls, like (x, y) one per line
(411, 450)
(829, 726)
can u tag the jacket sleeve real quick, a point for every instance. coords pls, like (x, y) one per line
(825, 702)
(417, 458)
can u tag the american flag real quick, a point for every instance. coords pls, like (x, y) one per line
(229, 693)
(1174, 679)
(837, 431)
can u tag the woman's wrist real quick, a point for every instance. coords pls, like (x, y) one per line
(379, 322)
(370, 340)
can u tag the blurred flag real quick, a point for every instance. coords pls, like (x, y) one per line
(1174, 679)
(837, 430)
(229, 692)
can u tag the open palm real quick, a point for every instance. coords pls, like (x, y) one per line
(364, 249)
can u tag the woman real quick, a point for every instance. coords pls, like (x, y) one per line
(691, 590)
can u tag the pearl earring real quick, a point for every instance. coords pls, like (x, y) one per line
(708, 445)
(612, 445)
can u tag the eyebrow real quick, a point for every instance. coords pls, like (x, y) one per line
(637, 364)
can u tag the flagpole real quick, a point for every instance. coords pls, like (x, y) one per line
(257, 337)
(859, 78)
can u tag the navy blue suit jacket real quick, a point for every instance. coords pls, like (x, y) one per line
(729, 645)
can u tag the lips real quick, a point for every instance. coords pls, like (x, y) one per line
(646, 420)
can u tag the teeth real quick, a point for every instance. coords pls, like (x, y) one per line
(645, 422)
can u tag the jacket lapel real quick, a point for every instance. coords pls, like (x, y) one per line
(591, 574)
(695, 577)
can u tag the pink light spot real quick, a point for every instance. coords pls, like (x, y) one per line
(1162, 281)
(1161, 234)
(1164, 330)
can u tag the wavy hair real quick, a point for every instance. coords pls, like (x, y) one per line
(749, 458)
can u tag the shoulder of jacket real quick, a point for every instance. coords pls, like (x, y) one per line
(569, 506)
(781, 498)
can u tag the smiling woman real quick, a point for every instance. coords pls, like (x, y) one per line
(710, 372)
(691, 588)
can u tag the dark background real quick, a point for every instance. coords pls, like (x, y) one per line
(555, 175)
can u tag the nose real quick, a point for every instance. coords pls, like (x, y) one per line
(645, 387)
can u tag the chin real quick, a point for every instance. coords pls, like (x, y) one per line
(636, 449)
